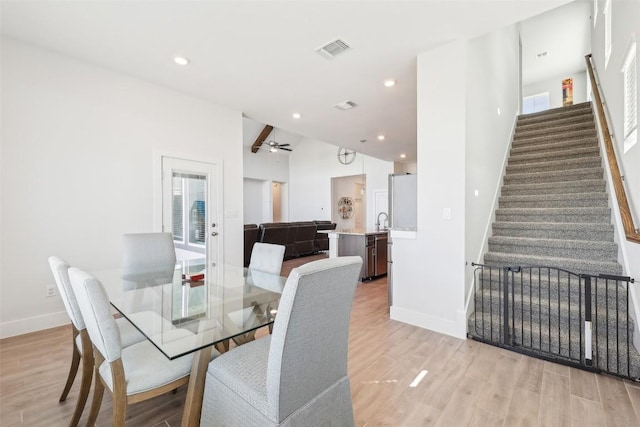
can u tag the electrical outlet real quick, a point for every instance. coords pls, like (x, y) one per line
(51, 291)
(446, 214)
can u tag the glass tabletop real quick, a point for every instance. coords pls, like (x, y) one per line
(187, 306)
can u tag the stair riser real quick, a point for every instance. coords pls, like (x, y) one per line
(583, 253)
(564, 113)
(551, 188)
(577, 266)
(552, 155)
(603, 236)
(587, 163)
(557, 133)
(594, 173)
(556, 218)
(567, 203)
(545, 145)
(585, 116)
(543, 303)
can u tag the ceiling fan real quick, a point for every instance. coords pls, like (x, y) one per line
(274, 146)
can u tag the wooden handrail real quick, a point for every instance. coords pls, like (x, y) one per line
(625, 213)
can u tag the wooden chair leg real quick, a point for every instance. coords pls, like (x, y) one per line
(73, 369)
(119, 393)
(85, 384)
(98, 391)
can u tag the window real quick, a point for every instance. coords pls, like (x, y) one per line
(630, 77)
(535, 103)
(188, 210)
(607, 32)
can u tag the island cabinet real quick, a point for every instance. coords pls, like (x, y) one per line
(370, 246)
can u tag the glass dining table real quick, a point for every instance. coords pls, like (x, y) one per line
(213, 303)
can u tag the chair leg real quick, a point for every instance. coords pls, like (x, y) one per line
(98, 391)
(73, 369)
(85, 384)
(119, 393)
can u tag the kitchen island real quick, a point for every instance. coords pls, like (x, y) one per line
(370, 245)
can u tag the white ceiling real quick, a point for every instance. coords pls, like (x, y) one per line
(258, 57)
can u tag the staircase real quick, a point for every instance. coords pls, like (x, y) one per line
(553, 212)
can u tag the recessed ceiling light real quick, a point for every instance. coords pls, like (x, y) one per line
(180, 60)
(402, 156)
(296, 115)
(390, 82)
(380, 137)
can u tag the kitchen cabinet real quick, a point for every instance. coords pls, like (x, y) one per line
(371, 247)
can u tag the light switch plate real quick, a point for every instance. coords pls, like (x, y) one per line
(446, 214)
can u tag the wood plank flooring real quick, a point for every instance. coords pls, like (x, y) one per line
(467, 384)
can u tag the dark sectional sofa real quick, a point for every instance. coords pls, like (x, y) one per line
(299, 238)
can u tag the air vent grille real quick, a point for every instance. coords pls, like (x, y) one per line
(331, 49)
(345, 105)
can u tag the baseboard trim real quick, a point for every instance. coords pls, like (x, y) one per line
(33, 324)
(457, 329)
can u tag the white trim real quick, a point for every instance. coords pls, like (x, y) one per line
(457, 328)
(595, 13)
(27, 325)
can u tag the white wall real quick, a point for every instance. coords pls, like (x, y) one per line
(77, 170)
(347, 186)
(265, 165)
(428, 272)
(312, 165)
(494, 59)
(255, 207)
(554, 87)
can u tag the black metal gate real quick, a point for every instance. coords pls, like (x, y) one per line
(576, 319)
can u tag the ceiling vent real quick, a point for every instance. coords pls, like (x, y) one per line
(331, 49)
(345, 105)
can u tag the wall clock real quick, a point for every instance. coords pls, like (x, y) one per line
(346, 156)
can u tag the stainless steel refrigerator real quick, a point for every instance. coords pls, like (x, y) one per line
(403, 214)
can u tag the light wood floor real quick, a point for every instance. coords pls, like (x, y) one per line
(468, 383)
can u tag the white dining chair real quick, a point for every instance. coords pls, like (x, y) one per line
(266, 260)
(81, 345)
(132, 374)
(267, 257)
(298, 376)
(148, 250)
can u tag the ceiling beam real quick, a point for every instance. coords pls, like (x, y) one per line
(260, 139)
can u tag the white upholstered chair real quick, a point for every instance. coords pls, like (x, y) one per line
(298, 375)
(82, 349)
(148, 250)
(266, 260)
(267, 257)
(132, 374)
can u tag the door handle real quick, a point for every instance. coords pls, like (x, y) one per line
(214, 233)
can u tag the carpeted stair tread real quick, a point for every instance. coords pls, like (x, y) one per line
(596, 199)
(566, 130)
(571, 215)
(565, 112)
(552, 144)
(555, 165)
(559, 230)
(554, 176)
(556, 120)
(560, 187)
(572, 264)
(585, 249)
(569, 153)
